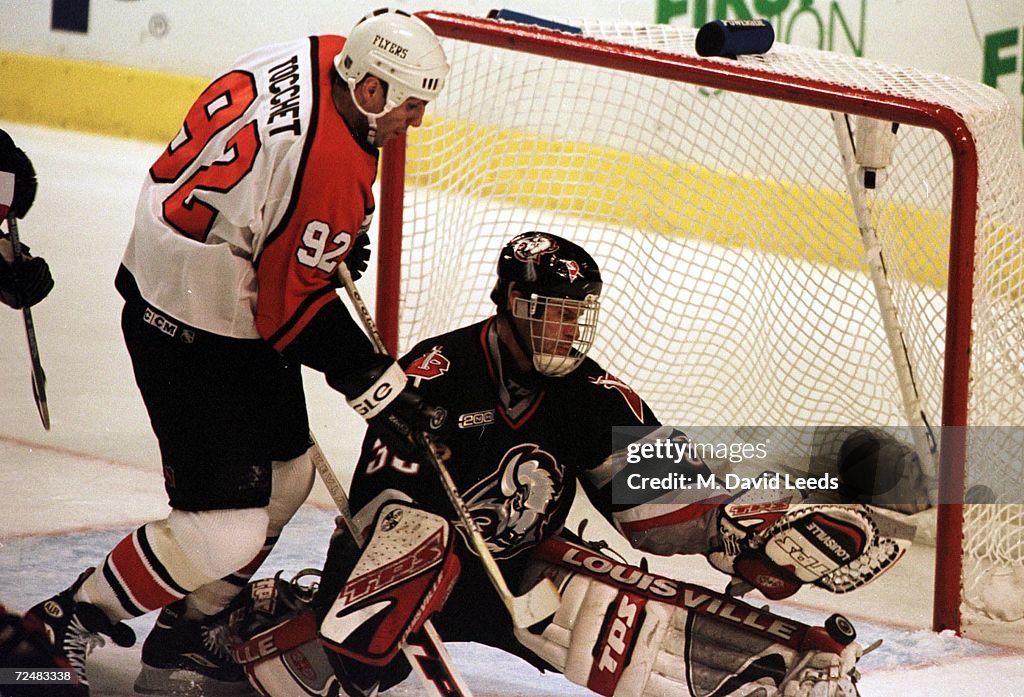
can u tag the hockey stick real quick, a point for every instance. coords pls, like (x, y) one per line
(38, 376)
(538, 603)
(423, 649)
(921, 431)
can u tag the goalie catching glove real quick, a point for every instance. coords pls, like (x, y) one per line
(622, 631)
(777, 547)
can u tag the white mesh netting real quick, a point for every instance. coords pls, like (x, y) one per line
(736, 290)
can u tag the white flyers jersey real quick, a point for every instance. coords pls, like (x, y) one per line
(247, 213)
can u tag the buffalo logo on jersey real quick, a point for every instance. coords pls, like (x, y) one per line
(610, 382)
(430, 365)
(514, 505)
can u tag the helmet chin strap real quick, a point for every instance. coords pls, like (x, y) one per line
(371, 118)
(371, 129)
(371, 121)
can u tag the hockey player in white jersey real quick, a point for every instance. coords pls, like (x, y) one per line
(229, 286)
(532, 415)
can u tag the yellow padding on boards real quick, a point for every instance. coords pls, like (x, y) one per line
(94, 97)
(646, 192)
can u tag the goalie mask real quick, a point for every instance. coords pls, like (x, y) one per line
(552, 285)
(398, 48)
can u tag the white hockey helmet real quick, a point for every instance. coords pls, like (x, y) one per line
(399, 49)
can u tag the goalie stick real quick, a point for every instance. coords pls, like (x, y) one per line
(423, 649)
(538, 603)
(38, 376)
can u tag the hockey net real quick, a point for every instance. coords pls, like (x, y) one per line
(731, 235)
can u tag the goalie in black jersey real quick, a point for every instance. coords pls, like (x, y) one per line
(531, 416)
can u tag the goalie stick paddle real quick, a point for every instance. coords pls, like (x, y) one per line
(526, 610)
(423, 649)
(38, 376)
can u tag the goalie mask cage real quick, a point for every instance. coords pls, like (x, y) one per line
(765, 261)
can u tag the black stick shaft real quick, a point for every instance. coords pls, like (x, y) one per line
(38, 376)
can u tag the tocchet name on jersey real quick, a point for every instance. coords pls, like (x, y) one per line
(264, 188)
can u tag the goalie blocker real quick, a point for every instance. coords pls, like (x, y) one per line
(403, 575)
(290, 644)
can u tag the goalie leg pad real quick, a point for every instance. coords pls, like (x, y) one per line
(622, 631)
(274, 638)
(404, 574)
(287, 659)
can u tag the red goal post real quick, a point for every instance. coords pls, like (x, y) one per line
(964, 115)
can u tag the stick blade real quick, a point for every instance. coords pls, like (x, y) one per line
(39, 394)
(537, 604)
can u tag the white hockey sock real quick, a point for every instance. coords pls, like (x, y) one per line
(164, 560)
(292, 482)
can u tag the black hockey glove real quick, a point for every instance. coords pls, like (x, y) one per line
(13, 159)
(25, 283)
(358, 258)
(394, 410)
